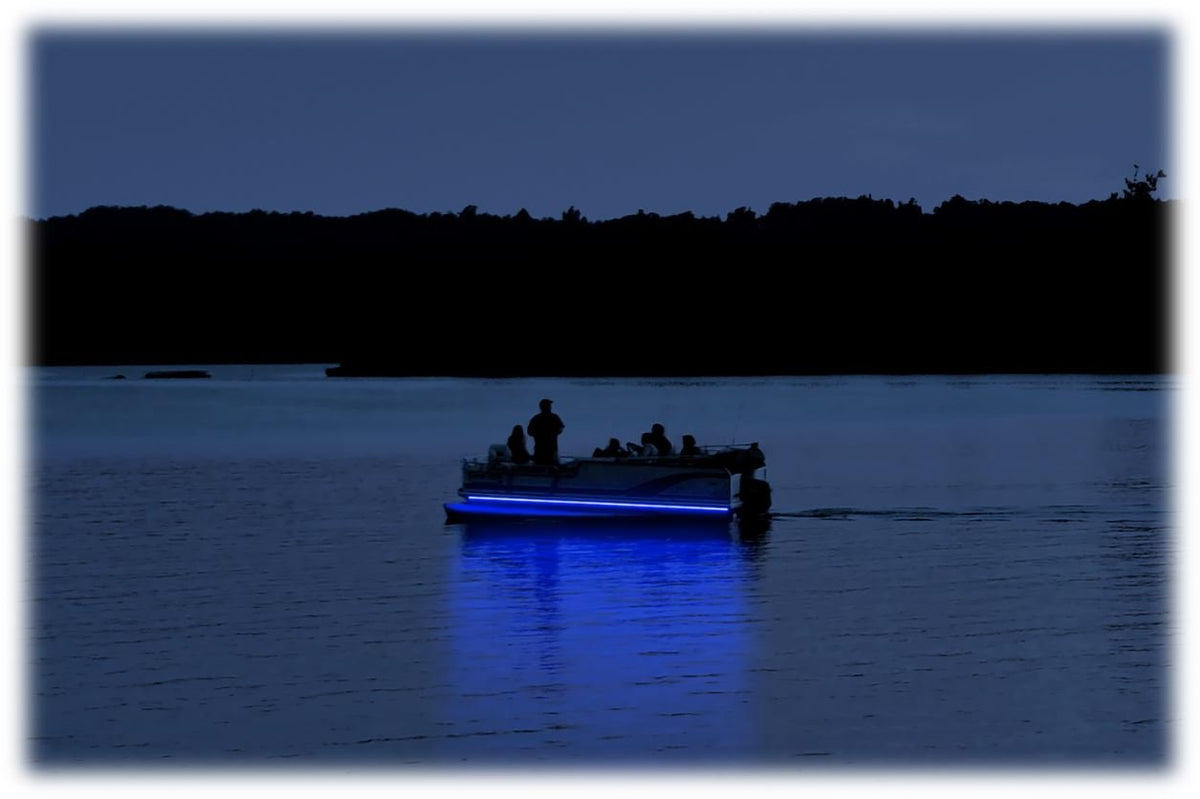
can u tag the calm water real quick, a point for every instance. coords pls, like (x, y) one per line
(255, 570)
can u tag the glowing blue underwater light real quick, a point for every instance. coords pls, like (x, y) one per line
(594, 503)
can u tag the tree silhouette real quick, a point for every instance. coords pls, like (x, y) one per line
(1143, 189)
(820, 286)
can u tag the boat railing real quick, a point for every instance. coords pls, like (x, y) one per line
(728, 456)
(565, 466)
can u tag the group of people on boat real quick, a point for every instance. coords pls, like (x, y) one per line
(654, 443)
(546, 426)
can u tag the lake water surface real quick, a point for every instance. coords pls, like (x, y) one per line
(255, 570)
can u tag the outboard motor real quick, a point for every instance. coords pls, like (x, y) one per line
(754, 493)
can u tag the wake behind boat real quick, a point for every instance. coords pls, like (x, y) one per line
(720, 483)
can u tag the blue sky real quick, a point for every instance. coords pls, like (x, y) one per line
(338, 119)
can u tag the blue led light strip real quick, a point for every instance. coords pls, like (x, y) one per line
(599, 504)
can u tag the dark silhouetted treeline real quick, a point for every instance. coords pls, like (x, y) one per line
(824, 286)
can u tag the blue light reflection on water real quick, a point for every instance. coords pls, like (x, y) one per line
(603, 641)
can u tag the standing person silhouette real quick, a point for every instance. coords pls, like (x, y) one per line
(544, 429)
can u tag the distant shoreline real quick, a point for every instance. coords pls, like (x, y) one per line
(321, 367)
(821, 287)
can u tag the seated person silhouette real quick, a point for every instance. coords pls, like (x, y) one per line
(613, 450)
(646, 449)
(517, 450)
(689, 449)
(658, 438)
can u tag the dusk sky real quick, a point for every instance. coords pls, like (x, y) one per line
(340, 120)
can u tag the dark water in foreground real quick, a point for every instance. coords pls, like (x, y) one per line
(255, 571)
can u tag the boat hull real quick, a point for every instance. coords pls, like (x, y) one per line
(596, 487)
(517, 508)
